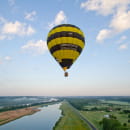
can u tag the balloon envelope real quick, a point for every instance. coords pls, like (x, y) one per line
(65, 42)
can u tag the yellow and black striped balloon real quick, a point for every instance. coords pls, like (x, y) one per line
(65, 42)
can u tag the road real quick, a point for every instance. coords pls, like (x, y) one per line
(83, 118)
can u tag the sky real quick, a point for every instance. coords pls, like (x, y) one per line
(27, 67)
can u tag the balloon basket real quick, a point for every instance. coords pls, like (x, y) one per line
(66, 74)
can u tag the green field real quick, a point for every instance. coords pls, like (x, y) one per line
(96, 116)
(93, 111)
(115, 102)
(70, 120)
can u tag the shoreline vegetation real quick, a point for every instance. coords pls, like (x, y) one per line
(11, 115)
(58, 121)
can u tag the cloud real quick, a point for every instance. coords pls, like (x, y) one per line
(104, 33)
(122, 38)
(17, 28)
(123, 47)
(121, 21)
(10, 29)
(119, 9)
(105, 7)
(30, 16)
(8, 58)
(60, 18)
(2, 37)
(35, 47)
(5, 59)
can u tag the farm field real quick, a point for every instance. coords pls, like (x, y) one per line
(96, 116)
(70, 120)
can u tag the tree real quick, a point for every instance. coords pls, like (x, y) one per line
(112, 124)
(125, 124)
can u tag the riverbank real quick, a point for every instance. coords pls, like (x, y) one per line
(8, 116)
(70, 119)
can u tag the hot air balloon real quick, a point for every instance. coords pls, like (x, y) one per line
(65, 43)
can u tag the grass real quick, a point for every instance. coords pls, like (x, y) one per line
(70, 120)
(115, 102)
(96, 116)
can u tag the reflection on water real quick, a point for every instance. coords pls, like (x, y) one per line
(42, 120)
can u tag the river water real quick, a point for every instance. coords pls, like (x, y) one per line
(42, 120)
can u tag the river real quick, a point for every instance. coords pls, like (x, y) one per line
(41, 120)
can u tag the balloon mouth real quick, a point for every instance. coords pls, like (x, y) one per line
(65, 68)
